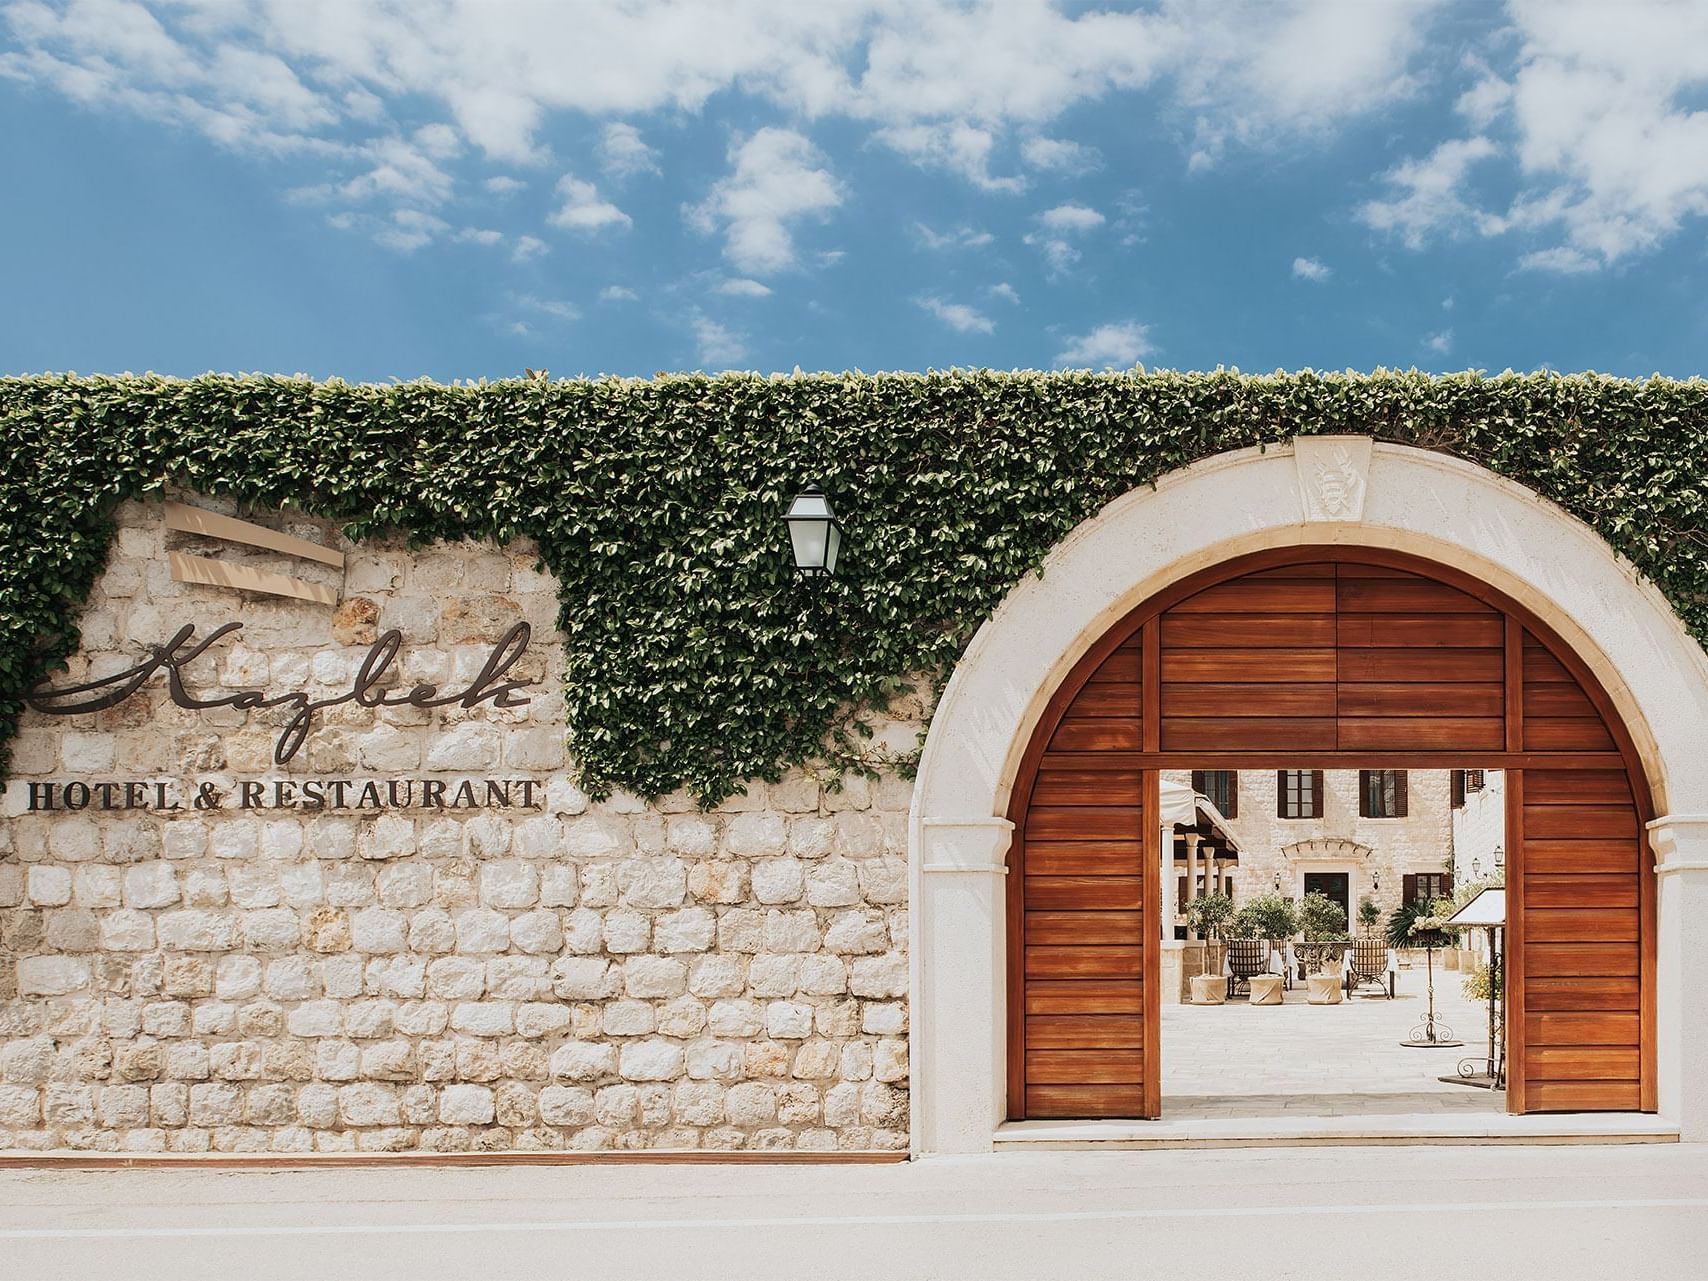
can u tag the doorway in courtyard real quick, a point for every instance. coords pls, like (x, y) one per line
(1296, 979)
(1305, 666)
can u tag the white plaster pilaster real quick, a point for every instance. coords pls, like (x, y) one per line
(1680, 844)
(960, 910)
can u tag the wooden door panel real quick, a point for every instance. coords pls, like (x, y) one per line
(1085, 858)
(1087, 1102)
(1093, 996)
(1419, 698)
(1247, 666)
(1425, 631)
(1101, 1066)
(1546, 995)
(1085, 1031)
(1054, 926)
(1248, 631)
(1085, 893)
(1249, 699)
(1584, 1096)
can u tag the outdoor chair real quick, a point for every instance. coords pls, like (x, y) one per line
(1371, 961)
(1245, 958)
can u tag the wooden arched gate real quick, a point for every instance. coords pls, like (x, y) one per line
(1328, 658)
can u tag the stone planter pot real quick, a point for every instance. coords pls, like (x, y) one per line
(1449, 958)
(1209, 989)
(1324, 989)
(1265, 989)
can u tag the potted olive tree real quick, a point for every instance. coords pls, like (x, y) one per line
(1274, 919)
(1323, 923)
(1210, 915)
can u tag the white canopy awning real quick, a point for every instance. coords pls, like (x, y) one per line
(1487, 909)
(1179, 803)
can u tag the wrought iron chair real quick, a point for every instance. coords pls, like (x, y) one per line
(1370, 961)
(1245, 958)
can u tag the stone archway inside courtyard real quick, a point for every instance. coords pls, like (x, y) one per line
(1034, 785)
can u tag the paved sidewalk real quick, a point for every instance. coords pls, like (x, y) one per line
(1298, 1059)
(1559, 1213)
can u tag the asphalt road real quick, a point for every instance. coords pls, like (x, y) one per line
(1505, 1213)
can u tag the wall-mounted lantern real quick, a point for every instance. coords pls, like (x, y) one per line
(1476, 869)
(1278, 881)
(1375, 882)
(1499, 857)
(815, 535)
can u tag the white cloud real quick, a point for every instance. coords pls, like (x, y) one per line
(962, 237)
(410, 229)
(960, 148)
(1058, 225)
(1113, 346)
(718, 346)
(1311, 269)
(1058, 155)
(503, 185)
(623, 152)
(1251, 71)
(1071, 218)
(1440, 343)
(958, 316)
(583, 210)
(1005, 291)
(1597, 110)
(617, 293)
(478, 236)
(1428, 196)
(777, 178)
(1562, 259)
(527, 247)
(741, 287)
(553, 307)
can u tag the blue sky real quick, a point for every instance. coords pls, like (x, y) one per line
(377, 189)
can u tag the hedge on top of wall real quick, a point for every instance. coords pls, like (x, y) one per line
(695, 656)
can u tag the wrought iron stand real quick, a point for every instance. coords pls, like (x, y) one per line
(1431, 1033)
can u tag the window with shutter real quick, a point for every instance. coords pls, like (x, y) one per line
(1457, 799)
(1382, 793)
(1299, 793)
(1221, 787)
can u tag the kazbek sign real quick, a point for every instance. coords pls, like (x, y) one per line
(366, 690)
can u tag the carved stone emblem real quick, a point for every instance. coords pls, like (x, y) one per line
(1334, 474)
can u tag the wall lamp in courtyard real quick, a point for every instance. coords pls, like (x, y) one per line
(1499, 857)
(815, 535)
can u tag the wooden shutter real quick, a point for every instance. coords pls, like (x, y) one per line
(1281, 793)
(1198, 779)
(1457, 800)
(1316, 805)
(1232, 810)
(1402, 802)
(1408, 888)
(1364, 805)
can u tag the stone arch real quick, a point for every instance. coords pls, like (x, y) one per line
(1384, 496)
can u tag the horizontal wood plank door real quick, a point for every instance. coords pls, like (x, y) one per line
(1085, 882)
(1339, 659)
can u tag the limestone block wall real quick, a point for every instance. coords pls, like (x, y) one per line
(289, 977)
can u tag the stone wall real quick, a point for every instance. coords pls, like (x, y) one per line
(565, 975)
(1422, 841)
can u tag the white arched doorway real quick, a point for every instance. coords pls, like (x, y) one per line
(1321, 490)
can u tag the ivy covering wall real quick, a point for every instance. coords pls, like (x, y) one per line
(695, 656)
